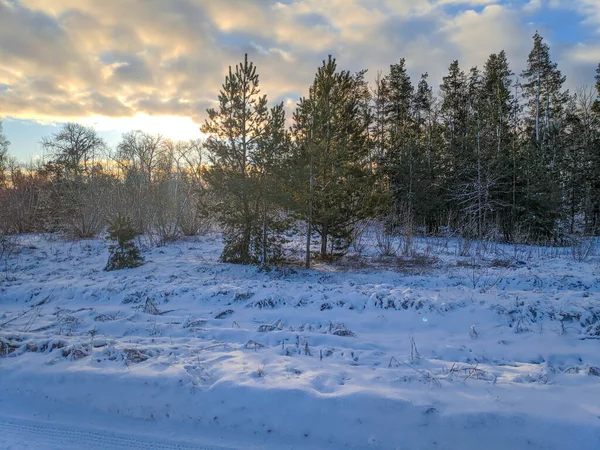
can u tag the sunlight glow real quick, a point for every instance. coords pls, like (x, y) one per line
(172, 127)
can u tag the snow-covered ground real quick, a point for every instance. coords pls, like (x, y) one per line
(440, 351)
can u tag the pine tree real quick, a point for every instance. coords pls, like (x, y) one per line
(234, 131)
(244, 146)
(125, 253)
(270, 164)
(332, 156)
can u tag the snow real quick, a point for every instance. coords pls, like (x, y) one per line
(494, 350)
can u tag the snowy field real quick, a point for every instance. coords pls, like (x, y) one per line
(496, 350)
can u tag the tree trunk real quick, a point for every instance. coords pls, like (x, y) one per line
(537, 108)
(479, 187)
(324, 237)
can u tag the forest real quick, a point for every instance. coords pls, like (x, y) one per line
(493, 155)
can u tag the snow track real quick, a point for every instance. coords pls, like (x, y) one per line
(26, 434)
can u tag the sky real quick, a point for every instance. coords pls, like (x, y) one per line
(157, 65)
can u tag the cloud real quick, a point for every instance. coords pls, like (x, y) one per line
(532, 6)
(78, 59)
(466, 2)
(582, 61)
(495, 28)
(589, 10)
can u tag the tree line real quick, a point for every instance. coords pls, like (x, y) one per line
(496, 155)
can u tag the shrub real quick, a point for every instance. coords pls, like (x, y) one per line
(583, 248)
(125, 253)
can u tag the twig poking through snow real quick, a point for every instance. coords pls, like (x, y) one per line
(425, 373)
(307, 350)
(33, 308)
(253, 344)
(473, 332)
(414, 352)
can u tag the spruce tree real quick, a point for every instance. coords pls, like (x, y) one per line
(456, 156)
(545, 99)
(500, 141)
(124, 254)
(578, 143)
(542, 84)
(400, 163)
(593, 164)
(379, 126)
(428, 198)
(597, 101)
(473, 191)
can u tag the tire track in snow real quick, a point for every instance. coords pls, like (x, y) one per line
(20, 434)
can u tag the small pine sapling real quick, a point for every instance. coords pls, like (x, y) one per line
(124, 254)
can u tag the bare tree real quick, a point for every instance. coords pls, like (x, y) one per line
(189, 157)
(138, 154)
(75, 149)
(193, 196)
(4, 143)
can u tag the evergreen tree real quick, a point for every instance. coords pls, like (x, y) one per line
(578, 142)
(473, 189)
(234, 131)
(332, 156)
(379, 126)
(542, 84)
(242, 145)
(500, 140)
(597, 101)
(592, 161)
(401, 153)
(125, 253)
(454, 111)
(546, 101)
(494, 145)
(271, 165)
(428, 197)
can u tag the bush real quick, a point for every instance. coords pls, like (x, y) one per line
(125, 253)
(387, 242)
(583, 248)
